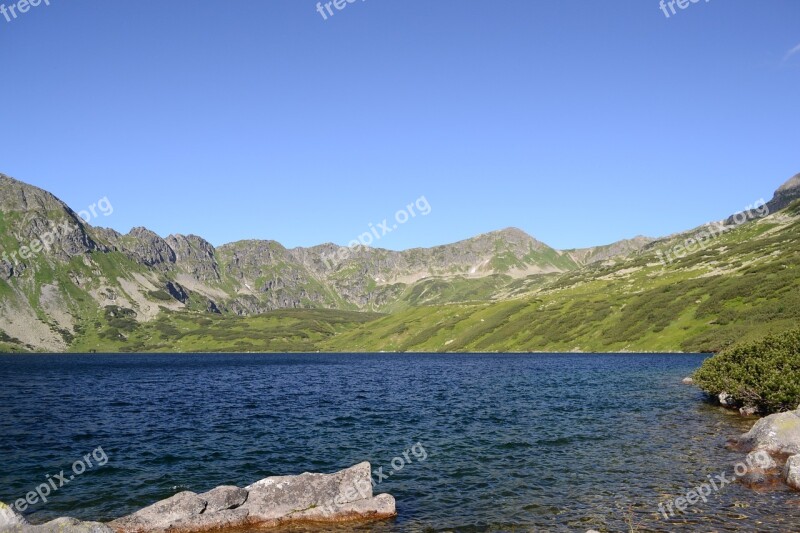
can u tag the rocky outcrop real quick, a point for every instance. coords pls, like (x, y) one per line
(195, 257)
(148, 249)
(785, 195)
(341, 497)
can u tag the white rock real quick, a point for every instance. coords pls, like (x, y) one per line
(777, 434)
(791, 472)
(9, 518)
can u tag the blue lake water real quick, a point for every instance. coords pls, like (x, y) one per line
(513, 442)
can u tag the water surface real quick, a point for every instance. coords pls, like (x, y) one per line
(513, 442)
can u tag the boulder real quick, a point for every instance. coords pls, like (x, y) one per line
(324, 498)
(791, 472)
(776, 434)
(726, 400)
(748, 411)
(339, 497)
(688, 381)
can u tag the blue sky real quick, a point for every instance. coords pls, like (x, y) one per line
(580, 122)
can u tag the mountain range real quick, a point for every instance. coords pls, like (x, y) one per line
(88, 288)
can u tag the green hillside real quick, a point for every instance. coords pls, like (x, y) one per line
(745, 284)
(95, 290)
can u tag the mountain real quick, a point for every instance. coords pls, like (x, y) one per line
(89, 288)
(785, 195)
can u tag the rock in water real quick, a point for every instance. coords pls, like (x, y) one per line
(776, 434)
(11, 522)
(325, 498)
(748, 411)
(67, 525)
(688, 381)
(792, 472)
(726, 400)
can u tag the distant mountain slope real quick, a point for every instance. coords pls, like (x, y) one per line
(96, 289)
(745, 283)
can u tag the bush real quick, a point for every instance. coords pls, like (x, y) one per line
(763, 374)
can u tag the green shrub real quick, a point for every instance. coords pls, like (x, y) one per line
(161, 295)
(764, 373)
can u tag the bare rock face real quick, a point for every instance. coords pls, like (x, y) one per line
(324, 498)
(776, 434)
(786, 194)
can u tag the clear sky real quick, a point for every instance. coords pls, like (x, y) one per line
(580, 122)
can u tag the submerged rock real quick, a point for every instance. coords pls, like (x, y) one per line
(761, 459)
(325, 498)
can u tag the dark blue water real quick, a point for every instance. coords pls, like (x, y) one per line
(513, 442)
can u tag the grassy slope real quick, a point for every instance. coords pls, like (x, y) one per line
(299, 330)
(745, 284)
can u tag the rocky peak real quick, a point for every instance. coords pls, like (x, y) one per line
(147, 248)
(792, 185)
(195, 256)
(785, 195)
(32, 215)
